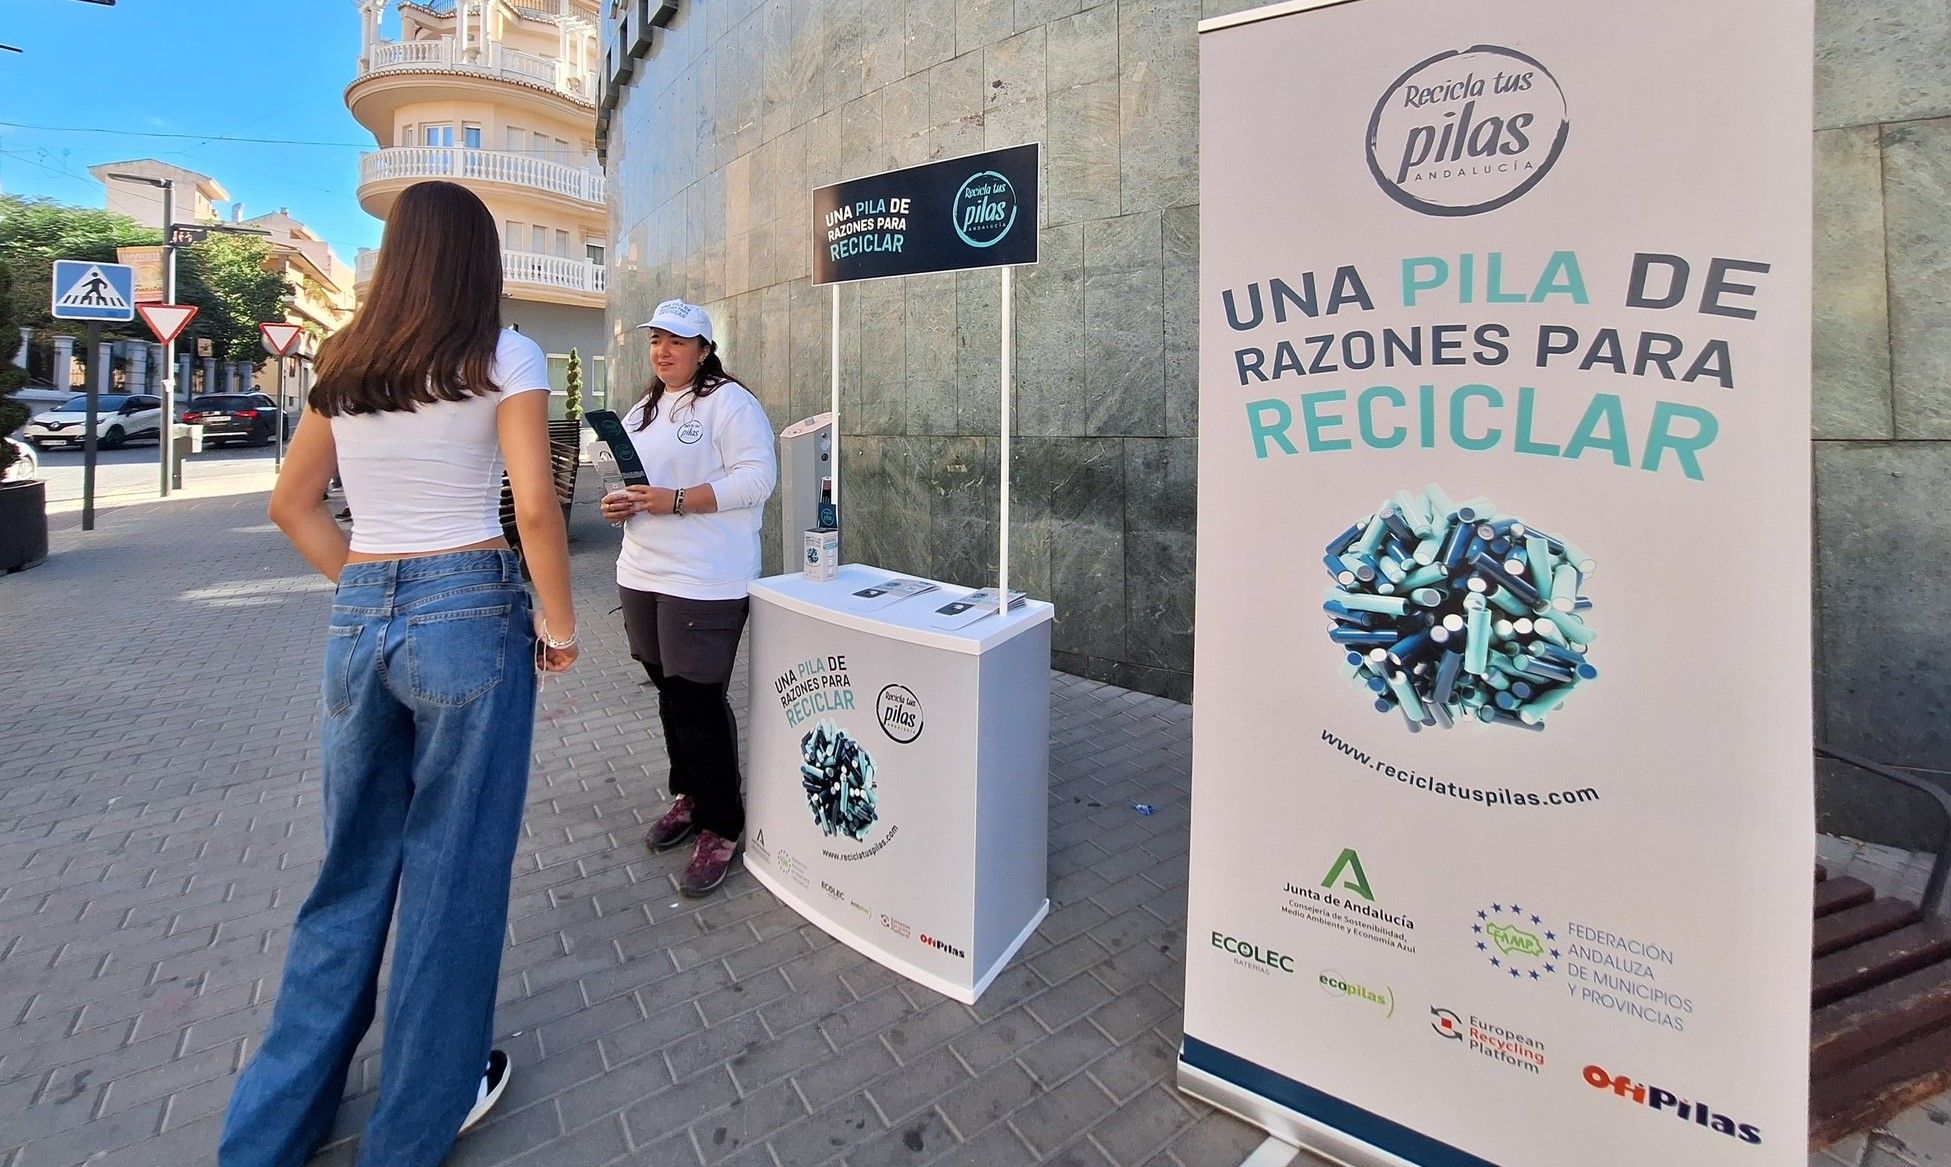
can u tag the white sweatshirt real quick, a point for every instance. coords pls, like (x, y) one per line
(726, 440)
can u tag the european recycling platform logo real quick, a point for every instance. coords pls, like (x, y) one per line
(1449, 612)
(1517, 944)
(984, 209)
(838, 778)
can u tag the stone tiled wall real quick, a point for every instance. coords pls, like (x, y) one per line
(745, 104)
(1882, 424)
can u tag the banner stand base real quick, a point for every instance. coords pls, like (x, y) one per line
(1288, 1126)
(1272, 1153)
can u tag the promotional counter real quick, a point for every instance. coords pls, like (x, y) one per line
(898, 779)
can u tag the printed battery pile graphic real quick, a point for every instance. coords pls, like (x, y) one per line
(839, 780)
(1453, 612)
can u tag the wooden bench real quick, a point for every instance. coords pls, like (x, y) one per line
(565, 439)
(1880, 1034)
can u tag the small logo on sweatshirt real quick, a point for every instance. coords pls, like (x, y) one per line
(690, 432)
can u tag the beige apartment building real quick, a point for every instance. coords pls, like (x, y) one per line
(501, 97)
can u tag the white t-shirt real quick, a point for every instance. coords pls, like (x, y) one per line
(725, 439)
(430, 479)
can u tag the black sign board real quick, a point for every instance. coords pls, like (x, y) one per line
(976, 211)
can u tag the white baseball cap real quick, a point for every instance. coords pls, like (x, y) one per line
(681, 319)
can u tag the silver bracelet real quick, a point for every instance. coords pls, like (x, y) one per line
(558, 645)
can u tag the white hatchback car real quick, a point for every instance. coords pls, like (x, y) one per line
(118, 418)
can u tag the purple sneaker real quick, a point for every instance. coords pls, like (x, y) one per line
(675, 827)
(710, 860)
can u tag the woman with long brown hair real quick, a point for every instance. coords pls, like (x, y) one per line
(690, 547)
(429, 693)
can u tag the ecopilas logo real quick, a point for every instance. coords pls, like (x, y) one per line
(1467, 131)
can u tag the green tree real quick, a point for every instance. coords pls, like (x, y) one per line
(573, 407)
(225, 277)
(12, 413)
(36, 232)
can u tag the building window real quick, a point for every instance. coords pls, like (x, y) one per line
(562, 244)
(516, 137)
(471, 137)
(511, 235)
(594, 253)
(440, 135)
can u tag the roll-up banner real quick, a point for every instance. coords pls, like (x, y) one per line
(1502, 798)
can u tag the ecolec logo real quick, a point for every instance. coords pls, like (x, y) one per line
(984, 209)
(1253, 956)
(1467, 131)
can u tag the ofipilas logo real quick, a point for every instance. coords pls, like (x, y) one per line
(1253, 956)
(1656, 1099)
(941, 945)
(1336, 985)
(1467, 131)
(984, 209)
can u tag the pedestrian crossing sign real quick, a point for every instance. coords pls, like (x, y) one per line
(93, 291)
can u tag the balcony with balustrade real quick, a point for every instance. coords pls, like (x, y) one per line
(526, 275)
(395, 73)
(383, 174)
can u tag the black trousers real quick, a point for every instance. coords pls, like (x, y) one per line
(687, 648)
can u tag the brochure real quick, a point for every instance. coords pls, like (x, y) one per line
(888, 591)
(972, 607)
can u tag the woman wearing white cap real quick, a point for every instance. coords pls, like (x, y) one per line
(690, 547)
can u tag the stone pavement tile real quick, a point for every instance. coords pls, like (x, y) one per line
(988, 1099)
(994, 1147)
(1216, 1140)
(827, 1133)
(912, 1140)
(918, 1084)
(844, 1073)
(747, 1121)
(1140, 1126)
(510, 1131)
(1060, 1113)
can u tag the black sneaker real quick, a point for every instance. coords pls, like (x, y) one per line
(494, 1082)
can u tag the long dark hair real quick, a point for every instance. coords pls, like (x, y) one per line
(711, 374)
(429, 323)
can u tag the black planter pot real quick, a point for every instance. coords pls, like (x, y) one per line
(23, 525)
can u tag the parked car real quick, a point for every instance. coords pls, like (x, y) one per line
(119, 418)
(235, 417)
(26, 465)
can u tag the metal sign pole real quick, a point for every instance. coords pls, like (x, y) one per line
(167, 426)
(834, 364)
(1009, 359)
(92, 366)
(278, 463)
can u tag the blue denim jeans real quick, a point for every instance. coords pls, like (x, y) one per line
(428, 720)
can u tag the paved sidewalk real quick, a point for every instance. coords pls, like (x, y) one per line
(158, 828)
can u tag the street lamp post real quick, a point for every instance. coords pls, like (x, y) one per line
(166, 456)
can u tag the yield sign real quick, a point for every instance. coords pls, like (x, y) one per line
(279, 339)
(167, 320)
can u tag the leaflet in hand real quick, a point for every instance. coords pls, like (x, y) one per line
(613, 454)
(972, 607)
(888, 591)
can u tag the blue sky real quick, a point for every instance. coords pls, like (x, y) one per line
(232, 68)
